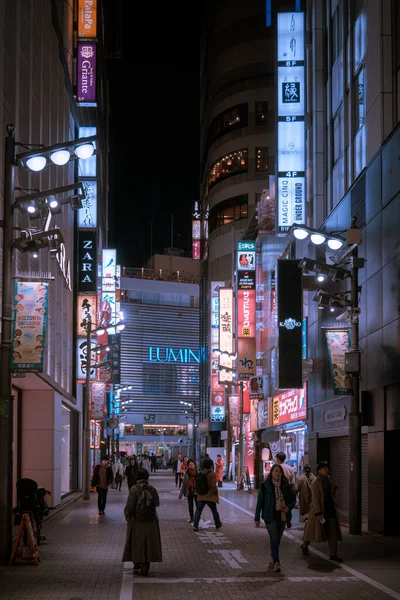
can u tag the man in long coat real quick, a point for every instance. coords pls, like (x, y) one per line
(323, 522)
(143, 539)
(303, 489)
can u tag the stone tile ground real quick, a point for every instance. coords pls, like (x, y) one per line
(81, 559)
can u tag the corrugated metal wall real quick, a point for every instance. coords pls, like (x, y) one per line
(159, 386)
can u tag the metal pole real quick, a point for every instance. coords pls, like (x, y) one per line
(6, 399)
(86, 420)
(229, 435)
(354, 416)
(241, 432)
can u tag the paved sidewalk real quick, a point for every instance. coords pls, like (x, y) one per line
(81, 559)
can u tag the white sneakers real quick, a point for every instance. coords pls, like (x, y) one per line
(277, 567)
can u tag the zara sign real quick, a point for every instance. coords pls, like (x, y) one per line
(87, 261)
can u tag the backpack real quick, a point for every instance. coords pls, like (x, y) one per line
(145, 509)
(201, 483)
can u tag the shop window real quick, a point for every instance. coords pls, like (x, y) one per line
(226, 166)
(262, 159)
(229, 120)
(129, 430)
(359, 99)
(228, 211)
(262, 112)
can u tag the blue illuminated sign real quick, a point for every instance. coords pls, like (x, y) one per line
(168, 355)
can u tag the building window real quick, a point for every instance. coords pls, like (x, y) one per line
(226, 166)
(229, 120)
(262, 112)
(262, 159)
(359, 99)
(338, 135)
(337, 32)
(230, 210)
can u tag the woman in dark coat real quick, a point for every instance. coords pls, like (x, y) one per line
(131, 472)
(143, 539)
(275, 502)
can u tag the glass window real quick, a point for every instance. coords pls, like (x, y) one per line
(337, 32)
(337, 135)
(262, 159)
(230, 210)
(233, 118)
(262, 112)
(226, 166)
(359, 99)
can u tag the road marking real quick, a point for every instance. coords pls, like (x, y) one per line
(212, 537)
(354, 572)
(178, 580)
(127, 582)
(231, 557)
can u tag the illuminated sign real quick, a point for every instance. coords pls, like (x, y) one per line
(246, 313)
(246, 357)
(289, 406)
(291, 104)
(165, 355)
(87, 215)
(86, 86)
(217, 412)
(87, 261)
(87, 18)
(81, 312)
(196, 249)
(226, 319)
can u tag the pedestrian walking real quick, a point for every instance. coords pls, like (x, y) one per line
(303, 489)
(188, 488)
(207, 495)
(145, 464)
(131, 472)
(153, 461)
(275, 502)
(219, 470)
(143, 539)
(184, 466)
(102, 479)
(176, 469)
(323, 521)
(288, 473)
(118, 472)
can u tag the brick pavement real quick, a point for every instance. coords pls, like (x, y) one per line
(81, 559)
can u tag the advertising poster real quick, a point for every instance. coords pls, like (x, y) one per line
(249, 446)
(338, 342)
(87, 215)
(234, 410)
(87, 18)
(290, 406)
(98, 400)
(29, 326)
(246, 357)
(86, 86)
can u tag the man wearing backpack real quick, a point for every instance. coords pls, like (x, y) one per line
(143, 539)
(207, 493)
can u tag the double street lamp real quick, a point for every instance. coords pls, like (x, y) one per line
(28, 241)
(192, 409)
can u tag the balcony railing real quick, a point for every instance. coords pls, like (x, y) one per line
(160, 275)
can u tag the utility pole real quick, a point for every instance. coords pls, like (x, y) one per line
(6, 398)
(85, 412)
(354, 416)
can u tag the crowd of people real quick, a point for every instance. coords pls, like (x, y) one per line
(198, 484)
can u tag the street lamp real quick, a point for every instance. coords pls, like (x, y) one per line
(11, 161)
(194, 412)
(347, 257)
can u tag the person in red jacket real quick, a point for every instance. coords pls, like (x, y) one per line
(219, 470)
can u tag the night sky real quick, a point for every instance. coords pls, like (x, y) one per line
(154, 135)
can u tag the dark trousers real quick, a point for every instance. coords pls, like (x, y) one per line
(192, 498)
(176, 478)
(275, 530)
(118, 481)
(199, 509)
(101, 498)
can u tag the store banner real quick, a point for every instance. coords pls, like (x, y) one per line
(290, 318)
(246, 313)
(246, 357)
(234, 407)
(87, 65)
(29, 326)
(246, 256)
(81, 312)
(290, 406)
(87, 253)
(246, 396)
(262, 414)
(81, 358)
(226, 319)
(338, 342)
(253, 415)
(256, 388)
(249, 445)
(87, 18)
(87, 215)
(217, 411)
(97, 400)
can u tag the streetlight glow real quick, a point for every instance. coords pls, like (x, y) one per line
(84, 151)
(60, 157)
(300, 234)
(317, 238)
(335, 244)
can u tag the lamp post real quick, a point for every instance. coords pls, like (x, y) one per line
(35, 160)
(348, 252)
(194, 412)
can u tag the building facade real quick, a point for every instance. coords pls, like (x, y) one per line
(42, 94)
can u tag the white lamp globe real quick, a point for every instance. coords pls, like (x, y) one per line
(317, 238)
(60, 157)
(300, 234)
(84, 151)
(335, 244)
(36, 163)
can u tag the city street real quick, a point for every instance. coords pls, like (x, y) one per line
(81, 558)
